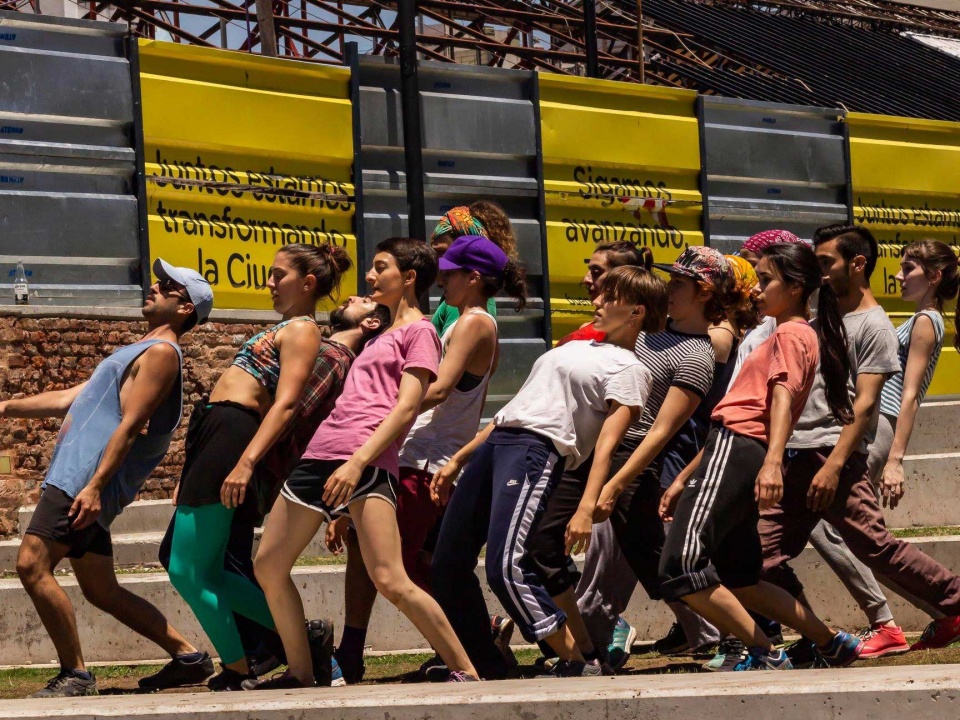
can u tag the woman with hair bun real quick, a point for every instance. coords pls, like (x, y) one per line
(281, 380)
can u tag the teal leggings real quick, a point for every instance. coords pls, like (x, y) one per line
(200, 539)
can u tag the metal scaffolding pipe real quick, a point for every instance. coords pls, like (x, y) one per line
(410, 107)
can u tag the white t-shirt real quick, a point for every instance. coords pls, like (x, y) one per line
(751, 341)
(566, 395)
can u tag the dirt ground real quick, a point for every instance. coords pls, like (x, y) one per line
(122, 679)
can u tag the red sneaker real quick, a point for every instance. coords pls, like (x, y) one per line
(939, 634)
(881, 640)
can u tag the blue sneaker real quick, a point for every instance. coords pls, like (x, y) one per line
(618, 651)
(843, 650)
(758, 659)
(336, 674)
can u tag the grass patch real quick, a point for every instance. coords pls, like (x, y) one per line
(915, 532)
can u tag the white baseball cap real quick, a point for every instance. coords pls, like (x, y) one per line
(199, 290)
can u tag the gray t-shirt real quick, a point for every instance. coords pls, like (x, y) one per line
(872, 348)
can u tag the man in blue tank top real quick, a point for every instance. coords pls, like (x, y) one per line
(117, 427)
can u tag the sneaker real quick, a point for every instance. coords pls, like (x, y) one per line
(673, 642)
(575, 668)
(260, 665)
(228, 680)
(762, 660)
(502, 629)
(881, 640)
(68, 684)
(320, 638)
(178, 673)
(618, 651)
(283, 681)
(730, 653)
(459, 676)
(435, 670)
(336, 675)
(939, 634)
(843, 650)
(803, 654)
(350, 670)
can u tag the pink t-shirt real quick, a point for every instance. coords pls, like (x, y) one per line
(789, 357)
(370, 393)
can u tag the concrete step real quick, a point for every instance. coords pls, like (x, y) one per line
(936, 427)
(137, 549)
(876, 693)
(23, 640)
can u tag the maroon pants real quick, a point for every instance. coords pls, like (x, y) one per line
(856, 514)
(416, 517)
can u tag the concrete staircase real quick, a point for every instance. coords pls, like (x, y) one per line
(886, 693)
(931, 500)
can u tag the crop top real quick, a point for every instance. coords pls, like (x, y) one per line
(260, 355)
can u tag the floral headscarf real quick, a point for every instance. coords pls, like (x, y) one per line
(458, 222)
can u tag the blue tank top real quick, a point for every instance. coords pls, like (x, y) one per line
(91, 421)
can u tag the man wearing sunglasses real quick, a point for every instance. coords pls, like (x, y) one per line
(117, 427)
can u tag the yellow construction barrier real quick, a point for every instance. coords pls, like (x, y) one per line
(621, 162)
(243, 155)
(905, 174)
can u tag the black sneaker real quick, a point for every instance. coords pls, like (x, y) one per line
(575, 668)
(458, 676)
(434, 670)
(228, 680)
(178, 673)
(803, 654)
(320, 637)
(283, 681)
(262, 665)
(730, 654)
(68, 684)
(673, 642)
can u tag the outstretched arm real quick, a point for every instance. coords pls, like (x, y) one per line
(156, 374)
(55, 403)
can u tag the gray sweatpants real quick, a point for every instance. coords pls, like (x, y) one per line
(857, 577)
(606, 586)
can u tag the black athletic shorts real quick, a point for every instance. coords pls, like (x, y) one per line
(216, 438)
(305, 486)
(51, 521)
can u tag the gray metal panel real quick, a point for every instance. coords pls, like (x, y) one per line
(479, 141)
(771, 166)
(67, 162)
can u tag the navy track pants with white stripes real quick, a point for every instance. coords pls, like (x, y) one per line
(522, 469)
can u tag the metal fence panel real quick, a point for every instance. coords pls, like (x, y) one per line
(243, 155)
(905, 175)
(479, 141)
(68, 206)
(621, 163)
(771, 166)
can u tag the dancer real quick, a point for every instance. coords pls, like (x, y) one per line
(448, 420)
(577, 396)
(284, 375)
(117, 428)
(682, 361)
(827, 474)
(712, 556)
(351, 465)
(483, 218)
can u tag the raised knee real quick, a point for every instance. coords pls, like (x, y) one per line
(266, 569)
(29, 571)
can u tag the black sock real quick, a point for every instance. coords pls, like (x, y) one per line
(190, 658)
(592, 655)
(350, 649)
(82, 674)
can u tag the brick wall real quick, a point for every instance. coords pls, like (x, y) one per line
(52, 353)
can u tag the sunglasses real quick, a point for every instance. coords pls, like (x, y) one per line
(168, 287)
